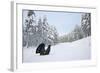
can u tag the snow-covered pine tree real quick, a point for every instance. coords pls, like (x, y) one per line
(45, 30)
(55, 34)
(36, 31)
(77, 33)
(86, 24)
(48, 32)
(28, 28)
(38, 37)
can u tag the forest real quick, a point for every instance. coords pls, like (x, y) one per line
(36, 31)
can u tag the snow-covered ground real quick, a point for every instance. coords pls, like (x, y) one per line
(77, 50)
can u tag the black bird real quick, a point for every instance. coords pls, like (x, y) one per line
(45, 52)
(41, 49)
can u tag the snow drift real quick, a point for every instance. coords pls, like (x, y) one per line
(77, 50)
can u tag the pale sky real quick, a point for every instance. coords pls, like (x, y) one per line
(63, 21)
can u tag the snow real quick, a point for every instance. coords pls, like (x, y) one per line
(77, 50)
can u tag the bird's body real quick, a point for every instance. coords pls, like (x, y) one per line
(41, 49)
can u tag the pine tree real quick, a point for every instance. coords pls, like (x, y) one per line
(36, 31)
(28, 28)
(86, 24)
(78, 33)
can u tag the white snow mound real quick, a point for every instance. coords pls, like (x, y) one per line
(77, 50)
